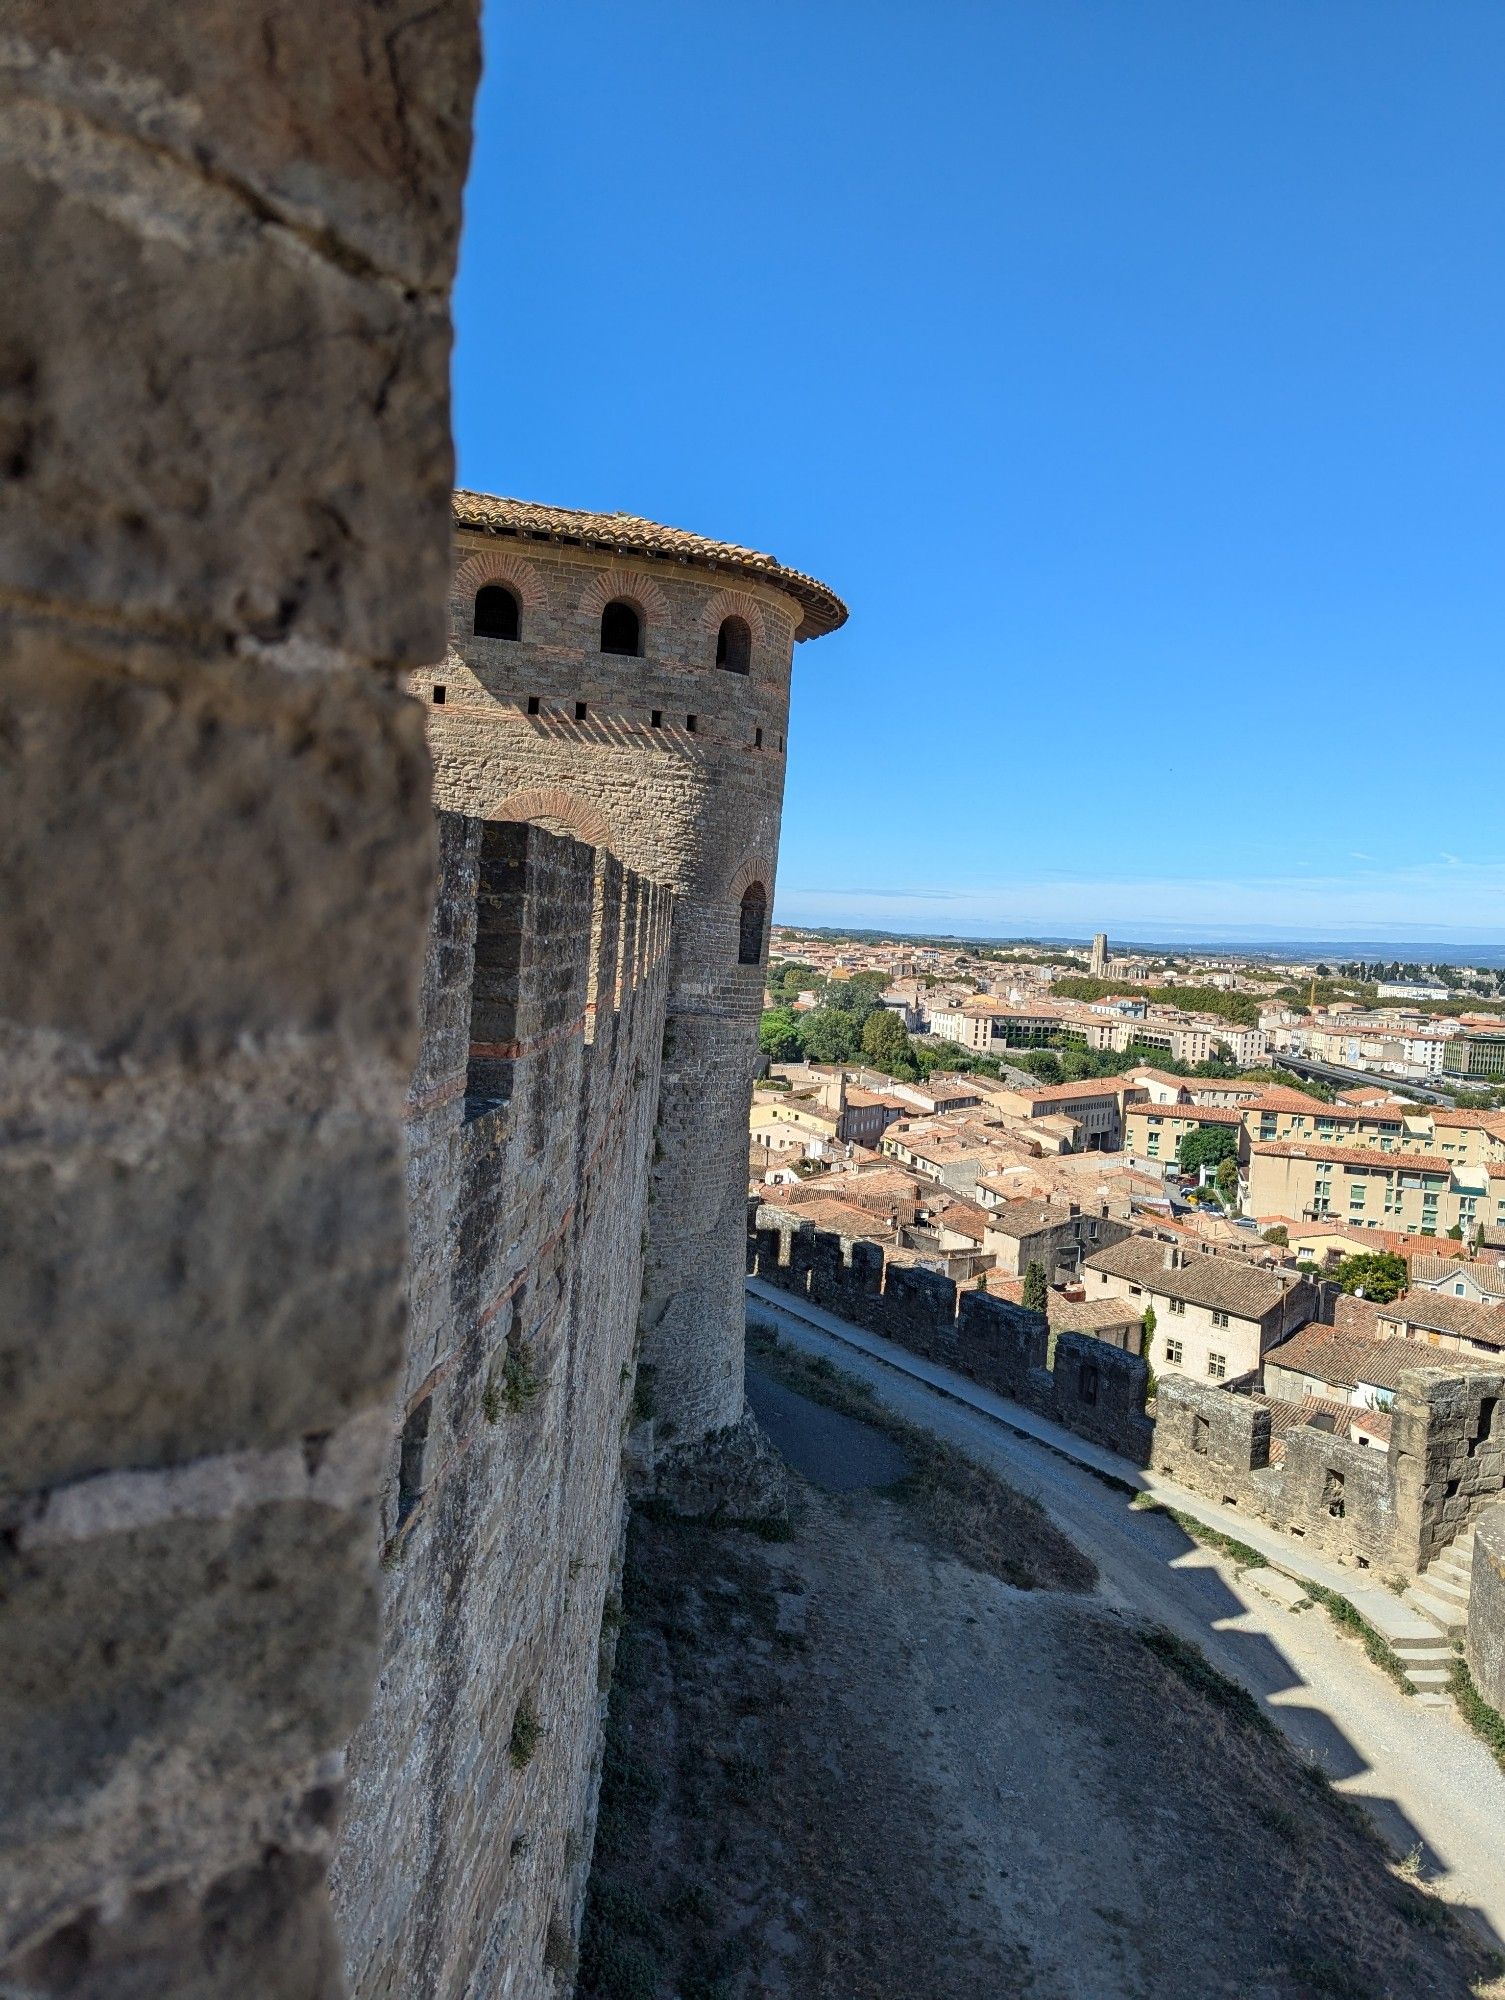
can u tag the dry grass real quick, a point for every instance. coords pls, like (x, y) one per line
(968, 1512)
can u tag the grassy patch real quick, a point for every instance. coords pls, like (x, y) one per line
(1351, 1620)
(1212, 1538)
(526, 1731)
(1487, 1723)
(969, 1512)
(1191, 1665)
(512, 1387)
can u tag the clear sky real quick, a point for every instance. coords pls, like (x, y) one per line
(1134, 368)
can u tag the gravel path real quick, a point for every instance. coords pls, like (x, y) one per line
(1426, 1780)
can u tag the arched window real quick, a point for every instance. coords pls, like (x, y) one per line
(750, 934)
(495, 613)
(621, 628)
(734, 645)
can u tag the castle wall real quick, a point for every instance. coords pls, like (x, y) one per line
(696, 808)
(503, 1493)
(1093, 1389)
(224, 530)
(466, 1839)
(1485, 1644)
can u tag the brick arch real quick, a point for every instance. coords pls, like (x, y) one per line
(501, 566)
(633, 585)
(735, 604)
(756, 868)
(559, 806)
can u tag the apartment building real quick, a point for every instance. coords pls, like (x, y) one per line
(1153, 1132)
(1410, 1193)
(1215, 1316)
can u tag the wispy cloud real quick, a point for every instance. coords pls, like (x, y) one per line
(1444, 899)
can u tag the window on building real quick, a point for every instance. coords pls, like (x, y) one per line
(1217, 1366)
(621, 629)
(1332, 1494)
(757, 739)
(1176, 1305)
(495, 615)
(1175, 1353)
(753, 915)
(1220, 1319)
(534, 704)
(582, 710)
(734, 645)
(438, 693)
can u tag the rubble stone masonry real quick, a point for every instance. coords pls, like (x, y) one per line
(529, 1133)
(224, 532)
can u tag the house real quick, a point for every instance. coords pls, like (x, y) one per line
(1054, 1235)
(1482, 1283)
(1436, 1320)
(1215, 1316)
(1340, 1367)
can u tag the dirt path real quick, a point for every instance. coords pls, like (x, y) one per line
(849, 1767)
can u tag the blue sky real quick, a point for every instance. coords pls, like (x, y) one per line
(1134, 368)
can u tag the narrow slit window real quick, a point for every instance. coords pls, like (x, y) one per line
(757, 739)
(534, 704)
(582, 710)
(656, 719)
(439, 694)
(414, 1445)
(690, 724)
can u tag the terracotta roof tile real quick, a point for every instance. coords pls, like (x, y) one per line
(627, 533)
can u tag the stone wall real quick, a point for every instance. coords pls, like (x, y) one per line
(1092, 1388)
(693, 800)
(1485, 1644)
(224, 530)
(529, 1134)
(1393, 1509)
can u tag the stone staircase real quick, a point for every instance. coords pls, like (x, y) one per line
(1440, 1595)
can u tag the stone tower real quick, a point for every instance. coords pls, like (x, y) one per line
(1098, 964)
(629, 684)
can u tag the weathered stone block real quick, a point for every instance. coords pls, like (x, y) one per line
(283, 433)
(188, 1291)
(205, 851)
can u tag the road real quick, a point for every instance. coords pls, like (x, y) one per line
(1428, 1782)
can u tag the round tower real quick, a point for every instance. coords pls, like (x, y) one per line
(629, 683)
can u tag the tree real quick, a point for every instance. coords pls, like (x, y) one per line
(1456, 1232)
(829, 1036)
(1207, 1146)
(1227, 1180)
(779, 1035)
(1379, 1274)
(1034, 1296)
(1148, 1323)
(1279, 1235)
(884, 1042)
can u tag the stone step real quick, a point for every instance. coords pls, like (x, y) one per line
(1435, 1678)
(1446, 1583)
(1445, 1612)
(1421, 1646)
(1430, 1698)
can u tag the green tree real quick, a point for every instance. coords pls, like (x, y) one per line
(1227, 1180)
(1207, 1146)
(884, 1042)
(1033, 1299)
(1379, 1274)
(1279, 1235)
(1148, 1323)
(779, 1035)
(829, 1036)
